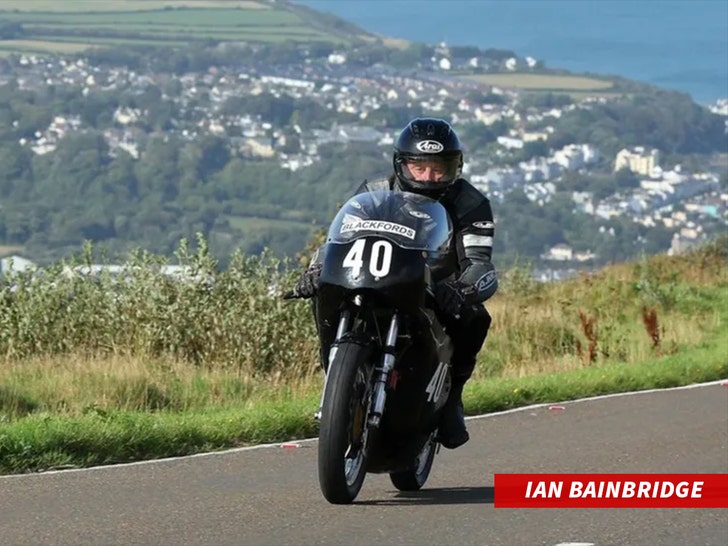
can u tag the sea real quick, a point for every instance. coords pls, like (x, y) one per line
(674, 44)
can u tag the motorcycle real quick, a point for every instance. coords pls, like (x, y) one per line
(388, 371)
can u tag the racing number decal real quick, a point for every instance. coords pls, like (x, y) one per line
(375, 267)
(380, 258)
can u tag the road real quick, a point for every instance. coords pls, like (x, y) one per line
(270, 495)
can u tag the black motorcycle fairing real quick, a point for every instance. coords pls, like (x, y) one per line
(401, 286)
(387, 244)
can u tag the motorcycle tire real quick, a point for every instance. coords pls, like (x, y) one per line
(342, 460)
(414, 477)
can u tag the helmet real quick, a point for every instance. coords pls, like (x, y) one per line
(431, 142)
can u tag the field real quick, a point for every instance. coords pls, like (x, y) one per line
(74, 25)
(61, 47)
(55, 6)
(543, 82)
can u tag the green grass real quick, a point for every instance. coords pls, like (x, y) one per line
(46, 441)
(579, 95)
(74, 6)
(553, 82)
(99, 437)
(40, 46)
(57, 43)
(708, 362)
(186, 18)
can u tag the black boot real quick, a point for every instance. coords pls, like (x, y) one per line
(452, 432)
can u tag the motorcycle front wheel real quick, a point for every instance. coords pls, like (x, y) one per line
(342, 458)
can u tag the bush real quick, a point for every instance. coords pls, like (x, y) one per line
(233, 320)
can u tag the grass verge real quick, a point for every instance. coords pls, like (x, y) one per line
(47, 442)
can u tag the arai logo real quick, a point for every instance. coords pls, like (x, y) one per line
(430, 147)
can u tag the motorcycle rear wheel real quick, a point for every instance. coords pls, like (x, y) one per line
(414, 477)
(342, 460)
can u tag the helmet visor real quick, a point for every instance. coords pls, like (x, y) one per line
(431, 170)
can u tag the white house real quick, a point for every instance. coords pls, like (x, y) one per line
(16, 264)
(559, 253)
(638, 160)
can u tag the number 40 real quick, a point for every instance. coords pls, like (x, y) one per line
(380, 258)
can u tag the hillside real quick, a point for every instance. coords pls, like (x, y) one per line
(75, 25)
(252, 139)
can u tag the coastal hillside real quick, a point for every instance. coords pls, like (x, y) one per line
(249, 122)
(73, 26)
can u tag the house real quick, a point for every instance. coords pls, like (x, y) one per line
(559, 253)
(121, 271)
(637, 160)
(15, 264)
(533, 136)
(509, 142)
(258, 147)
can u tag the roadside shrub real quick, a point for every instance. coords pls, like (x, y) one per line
(233, 319)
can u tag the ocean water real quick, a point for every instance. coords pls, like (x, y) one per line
(676, 44)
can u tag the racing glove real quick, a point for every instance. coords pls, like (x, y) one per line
(454, 297)
(308, 283)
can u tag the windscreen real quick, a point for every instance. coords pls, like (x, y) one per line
(407, 219)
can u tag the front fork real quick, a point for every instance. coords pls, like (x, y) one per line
(344, 320)
(379, 396)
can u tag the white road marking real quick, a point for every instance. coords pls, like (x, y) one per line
(311, 440)
(600, 397)
(575, 544)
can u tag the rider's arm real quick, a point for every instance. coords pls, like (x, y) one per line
(474, 244)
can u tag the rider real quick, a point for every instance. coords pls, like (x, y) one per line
(428, 160)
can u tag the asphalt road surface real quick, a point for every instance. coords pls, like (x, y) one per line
(270, 495)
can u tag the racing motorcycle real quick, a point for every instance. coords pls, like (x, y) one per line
(388, 371)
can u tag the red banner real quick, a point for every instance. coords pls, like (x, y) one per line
(611, 491)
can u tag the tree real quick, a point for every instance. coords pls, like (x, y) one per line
(477, 136)
(409, 57)
(157, 172)
(666, 120)
(95, 109)
(15, 168)
(121, 178)
(76, 173)
(626, 179)
(543, 101)
(31, 118)
(270, 108)
(214, 154)
(534, 148)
